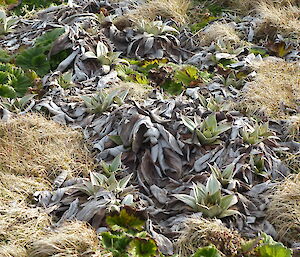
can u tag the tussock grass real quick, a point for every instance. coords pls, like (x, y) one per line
(175, 9)
(276, 85)
(32, 151)
(18, 225)
(72, 239)
(136, 92)
(200, 232)
(250, 6)
(284, 209)
(278, 18)
(31, 145)
(219, 31)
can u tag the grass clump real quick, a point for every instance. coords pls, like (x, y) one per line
(199, 232)
(278, 18)
(284, 209)
(136, 91)
(219, 31)
(175, 9)
(72, 239)
(18, 225)
(275, 88)
(33, 146)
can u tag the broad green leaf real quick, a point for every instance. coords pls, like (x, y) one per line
(125, 220)
(188, 123)
(116, 163)
(35, 59)
(144, 247)
(127, 200)
(228, 213)
(208, 251)
(124, 182)
(275, 250)
(198, 192)
(118, 244)
(228, 171)
(214, 211)
(102, 49)
(112, 183)
(89, 55)
(211, 122)
(213, 185)
(187, 199)
(45, 41)
(228, 201)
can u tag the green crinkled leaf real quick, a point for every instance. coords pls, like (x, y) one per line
(116, 243)
(14, 82)
(276, 250)
(34, 59)
(172, 87)
(126, 220)
(208, 251)
(4, 56)
(144, 247)
(45, 41)
(186, 75)
(7, 91)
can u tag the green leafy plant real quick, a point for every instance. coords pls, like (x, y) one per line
(183, 76)
(225, 177)
(154, 40)
(127, 236)
(236, 79)
(208, 251)
(155, 28)
(130, 75)
(257, 162)
(36, 58)
(14, 82)
(209, 200)
(104, 56)
(4, 56)
(99, 181)
(65, 80)
(189, 74)
(34, 4)
(256, 134)
(6, 23)
(100, 102)
(211, 103)
(113, 167)
(17, 105)
(207, 131)
(265, 246)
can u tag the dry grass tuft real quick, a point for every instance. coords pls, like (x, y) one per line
(136, 92)
(276, 85)
(32, 150)
(278, 18)
(175, 9)
(250, 6)
(13, 251)
(293, 127)
(72, 239)
(200, 232)
(32, 145)
(19, 224)
(284, 209)
(219, 31)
